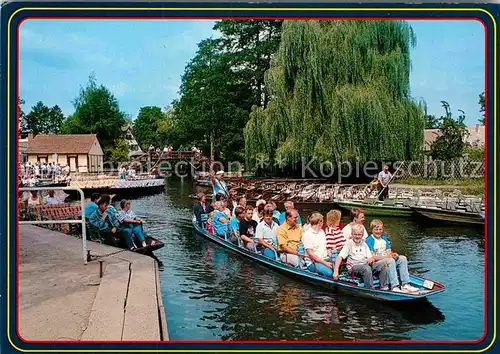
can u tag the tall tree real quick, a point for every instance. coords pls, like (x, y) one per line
(451, 141)
(340, 90)
(481, 104)
(205, 113)
(97, 112)
(44, 120)
(252, 44)
(146, 126)
(23, 124)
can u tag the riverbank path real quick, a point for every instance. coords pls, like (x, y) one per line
(63, 299)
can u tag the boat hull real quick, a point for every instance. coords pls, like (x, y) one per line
(377, 210)
(448, 216)
(322, 281)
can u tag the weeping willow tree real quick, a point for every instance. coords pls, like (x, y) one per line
(339, 91)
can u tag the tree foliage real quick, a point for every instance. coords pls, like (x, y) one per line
(42, 119)
(481, 109)
(96, 112)
(118, 151)
(451, 142)
(146, 126)
(340, 91)
(430, 121)
(206, 108)
(221, 84)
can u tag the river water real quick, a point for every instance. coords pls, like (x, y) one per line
(210, 293)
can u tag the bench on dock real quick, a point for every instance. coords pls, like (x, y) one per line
(63, 211)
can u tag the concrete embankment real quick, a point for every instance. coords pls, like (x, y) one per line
(63, 299)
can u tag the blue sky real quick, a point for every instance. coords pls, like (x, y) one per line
(141, 61)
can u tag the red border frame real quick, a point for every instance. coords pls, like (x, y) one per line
(346, 342)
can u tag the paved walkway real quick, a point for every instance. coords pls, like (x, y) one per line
(63, 299)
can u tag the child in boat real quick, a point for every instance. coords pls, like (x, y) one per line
(381, 247)
(335, 239)
(360, 260)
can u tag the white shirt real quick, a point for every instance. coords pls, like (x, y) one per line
(356, 254)
(384, 177)
(315, 240)
(347, 230)
(266, 232)
(379, 247)
(50, 200)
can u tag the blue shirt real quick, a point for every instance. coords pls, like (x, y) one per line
(370, 241)
(219, 187)
(112, 216)
(234, 226)
(90, 208)
(95, 219)
(283, 217)
(219, 227)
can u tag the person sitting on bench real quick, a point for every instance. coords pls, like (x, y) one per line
(100, 220)
(128, 219)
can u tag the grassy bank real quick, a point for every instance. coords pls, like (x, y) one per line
(473, 186)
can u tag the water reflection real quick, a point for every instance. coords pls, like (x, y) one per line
(212, 293)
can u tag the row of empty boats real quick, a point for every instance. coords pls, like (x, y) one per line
(450, 207)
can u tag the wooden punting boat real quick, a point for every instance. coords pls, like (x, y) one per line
(379, 208)
(345, 282)
(440, 214)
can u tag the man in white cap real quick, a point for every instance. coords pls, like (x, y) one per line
(219, 185)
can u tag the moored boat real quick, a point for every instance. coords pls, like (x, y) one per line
(379, 208)
(440, 214)
(345, 282)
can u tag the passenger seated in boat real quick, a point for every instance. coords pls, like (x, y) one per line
(314, 241)
(258, 211)
(289, 206)
(128, 219)
(201, 209)
(242, 202)
(91, 206)
(210, 227)
(234, 223)
(265, 232)
(247, 228)
(220, 221)
(335, 239)
(289, 236)
(112, 218)
(360, 260)
(357, 217)
(381, 248)
(100, 220)
(221, 198)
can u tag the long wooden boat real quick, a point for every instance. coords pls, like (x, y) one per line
(343, 283)
(378, 208)
(449, 216)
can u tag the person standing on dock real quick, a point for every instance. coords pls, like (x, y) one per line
(384, 177)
